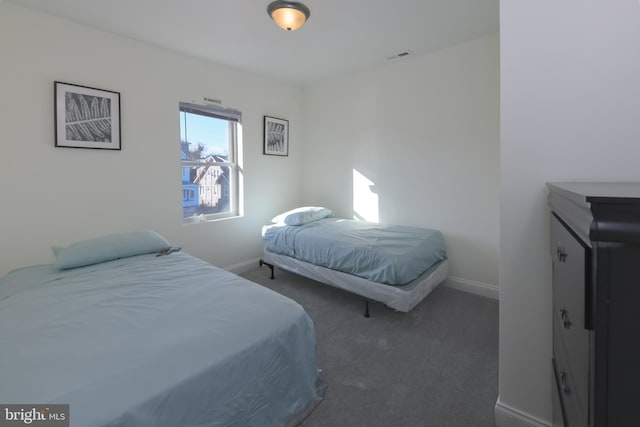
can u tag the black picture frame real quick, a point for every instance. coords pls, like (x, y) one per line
(276, 136)
(86, 117)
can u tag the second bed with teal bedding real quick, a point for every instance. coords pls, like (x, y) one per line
(388, 254)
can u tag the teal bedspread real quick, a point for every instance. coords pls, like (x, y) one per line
(389, 254)
(155, 341)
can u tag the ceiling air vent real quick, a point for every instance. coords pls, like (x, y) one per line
(400, 55)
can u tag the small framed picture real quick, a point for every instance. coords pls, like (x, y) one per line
(276, 136)
(86, 117)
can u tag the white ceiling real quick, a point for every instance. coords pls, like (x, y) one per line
(341, 36)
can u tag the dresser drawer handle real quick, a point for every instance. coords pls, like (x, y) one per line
(562, 254)
(563, 381)
(564, 315)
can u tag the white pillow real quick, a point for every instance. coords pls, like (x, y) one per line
(303, 215)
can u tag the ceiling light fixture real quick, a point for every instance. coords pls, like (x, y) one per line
(288, 15)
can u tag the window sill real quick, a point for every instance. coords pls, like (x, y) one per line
(202, 219)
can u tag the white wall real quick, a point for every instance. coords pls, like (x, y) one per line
(570, 103)
(54, 196)
(424, 131)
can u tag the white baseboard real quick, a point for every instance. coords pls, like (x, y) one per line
(243, 266)
(507, 416)
(478, 288)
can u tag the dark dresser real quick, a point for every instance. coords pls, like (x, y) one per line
(595, 247)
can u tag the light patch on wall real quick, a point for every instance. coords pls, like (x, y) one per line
(365, 198)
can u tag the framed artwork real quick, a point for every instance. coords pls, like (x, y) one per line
(276, 136)
(86, 117)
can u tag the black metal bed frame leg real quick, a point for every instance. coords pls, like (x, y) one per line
(270, 267)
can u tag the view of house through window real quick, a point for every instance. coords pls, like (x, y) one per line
(208, 154)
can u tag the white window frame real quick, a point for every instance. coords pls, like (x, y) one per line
(234, 120)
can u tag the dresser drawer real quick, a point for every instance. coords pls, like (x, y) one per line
(570, 276)
(573, 379)
(558, 410)
(574, 415)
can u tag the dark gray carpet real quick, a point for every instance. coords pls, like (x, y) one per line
(434, 366)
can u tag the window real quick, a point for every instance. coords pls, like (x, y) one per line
(209, 140)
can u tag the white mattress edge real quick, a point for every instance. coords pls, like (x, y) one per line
(401, 298)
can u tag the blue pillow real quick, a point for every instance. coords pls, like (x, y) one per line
(303, 215)
(107, 248)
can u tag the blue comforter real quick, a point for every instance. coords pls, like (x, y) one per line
(389, 254)
(154, 341)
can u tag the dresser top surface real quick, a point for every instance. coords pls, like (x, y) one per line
(599, 192)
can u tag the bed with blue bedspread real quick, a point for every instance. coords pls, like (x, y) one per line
(396, 265)
(158, 338)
